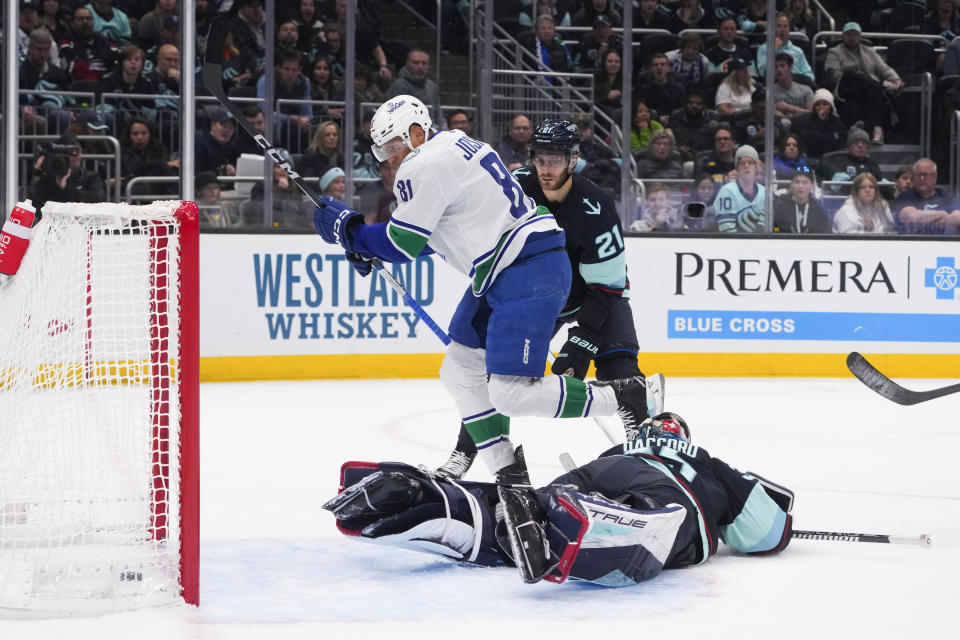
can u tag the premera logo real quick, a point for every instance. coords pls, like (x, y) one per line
(944, 278)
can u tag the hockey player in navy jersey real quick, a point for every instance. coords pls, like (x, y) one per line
(598, 301)
(657, 502)
(456, 199)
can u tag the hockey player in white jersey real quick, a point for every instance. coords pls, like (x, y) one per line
(456, 198)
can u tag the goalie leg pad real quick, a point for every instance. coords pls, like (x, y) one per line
(605, 542)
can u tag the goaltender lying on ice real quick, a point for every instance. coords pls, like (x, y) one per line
(656, 502)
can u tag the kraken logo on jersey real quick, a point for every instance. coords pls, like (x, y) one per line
(593, 208)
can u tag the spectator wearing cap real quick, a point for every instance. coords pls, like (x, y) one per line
(148, 29)
(797, 211)
(593, 8)
(213, 215)
(365, 164)
(690, 14)
(687, 62)
(324, 150)
(414, 80)
(93, 123)
(693, 126)
(925, 208)
(65, 182)
(377, 200)
(782, 44)
(662, 92)
(863, 79)
(659, 160)
(110, 22)
(589, 54)
(547, 46)
(170, 30)
(821, 130)
(85, 54)
(736, 90)
(846, 166)
(740, 203)
(651, 15)
(216, 148)
(459, 119)
(39, 74)
(142, 154)
(333, 183)
(726, 46)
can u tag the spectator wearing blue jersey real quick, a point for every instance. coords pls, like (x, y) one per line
(740, 203)
(925, 208)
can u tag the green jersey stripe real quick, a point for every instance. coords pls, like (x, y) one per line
(409, 242)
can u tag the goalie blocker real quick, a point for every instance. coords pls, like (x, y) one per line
(573, 527)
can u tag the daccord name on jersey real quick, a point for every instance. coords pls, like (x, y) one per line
(646, 446)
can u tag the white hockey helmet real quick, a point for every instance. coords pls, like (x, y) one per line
(393, 120)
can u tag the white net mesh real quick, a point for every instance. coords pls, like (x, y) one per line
(89, 411)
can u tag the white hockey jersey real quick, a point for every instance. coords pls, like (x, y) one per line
(455, 195)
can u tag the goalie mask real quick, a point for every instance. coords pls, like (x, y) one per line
(393, 120)
(665, 425)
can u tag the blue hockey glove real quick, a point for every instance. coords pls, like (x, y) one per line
(574, 358)
(360, 262)
(333, 222)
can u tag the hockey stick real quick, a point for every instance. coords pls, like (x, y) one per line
(868, 375)
(923, 540)
(212, 78)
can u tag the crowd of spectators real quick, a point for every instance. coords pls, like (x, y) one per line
(697, 86)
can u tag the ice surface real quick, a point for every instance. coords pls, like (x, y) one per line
(273, 565)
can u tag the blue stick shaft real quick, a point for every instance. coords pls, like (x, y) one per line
(410, 302)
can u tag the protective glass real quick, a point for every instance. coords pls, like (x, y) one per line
(388, 149)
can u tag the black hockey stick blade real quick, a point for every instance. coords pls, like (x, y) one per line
(868, 375)
(923, 540)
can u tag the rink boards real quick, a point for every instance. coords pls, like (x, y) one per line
(289, 306)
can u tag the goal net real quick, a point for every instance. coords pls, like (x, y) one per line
(99, 409)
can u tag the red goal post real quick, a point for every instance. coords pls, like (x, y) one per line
(99, 411)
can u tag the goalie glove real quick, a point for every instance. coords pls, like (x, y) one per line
(580, 349)
(397, 505)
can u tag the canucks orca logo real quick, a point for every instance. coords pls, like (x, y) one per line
(944, 278)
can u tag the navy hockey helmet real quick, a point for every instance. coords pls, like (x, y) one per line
(555, 135)
(665, 425)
